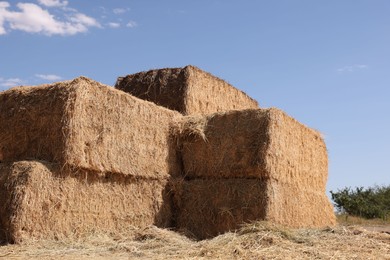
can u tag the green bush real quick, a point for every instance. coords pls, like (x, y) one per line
(372, 202)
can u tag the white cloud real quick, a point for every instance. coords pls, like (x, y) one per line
(83, 19)
(48, 77)
(53, 3)
(131, 24)
(4, 4)
(114, 25)
(11, 82)
(33, 19)
(3, 12)
(120, 10)
(352, 68)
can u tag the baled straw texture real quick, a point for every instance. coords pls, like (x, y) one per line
(164, 87)
(208, 207)
(40, 201)
(188, 90)
(253, 143)
(84, 124)
(298, 206)
(253, 147)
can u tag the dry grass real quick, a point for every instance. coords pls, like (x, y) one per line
(188, 90)
(352, 220)
(258, 240)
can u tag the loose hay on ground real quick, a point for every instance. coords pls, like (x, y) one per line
(39, 200)
(255, 241)
(188, 90)
(84, 124)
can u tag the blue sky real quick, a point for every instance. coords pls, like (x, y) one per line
(326, 62)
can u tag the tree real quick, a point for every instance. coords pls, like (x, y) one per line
(372, 202)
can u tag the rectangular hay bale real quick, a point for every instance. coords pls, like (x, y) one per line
(209, 207)
(206, 208)
(38, 200)
(253, 143)
(298, 206)
(188, 90)
(84, 124)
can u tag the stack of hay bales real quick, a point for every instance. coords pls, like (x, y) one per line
(188, 90)
(255, 164)
(78, 156)
(240, 163)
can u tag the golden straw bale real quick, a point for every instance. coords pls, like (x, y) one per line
(39, 200)
(209, 207)
(188, 90)
(254, 164)
(253, 143)
(206, 208)
(84, 124)
(297, 206)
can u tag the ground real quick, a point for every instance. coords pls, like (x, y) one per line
(259, 240)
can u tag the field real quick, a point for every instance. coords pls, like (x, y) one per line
(259, 240)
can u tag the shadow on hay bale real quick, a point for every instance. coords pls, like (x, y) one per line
(188, 90)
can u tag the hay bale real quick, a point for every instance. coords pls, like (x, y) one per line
(209, 207)
(253, 143)
(298, 206)
(84, 124)
(206, 208)
(255, 164)
(188, 90)
(40, 200)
